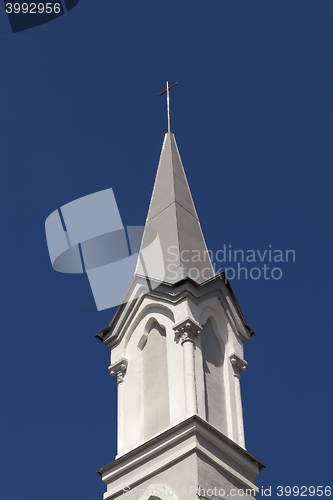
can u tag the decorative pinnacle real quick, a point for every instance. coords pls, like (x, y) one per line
(167, 91)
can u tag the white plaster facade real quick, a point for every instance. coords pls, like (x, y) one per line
(177, 352)
(182, 389)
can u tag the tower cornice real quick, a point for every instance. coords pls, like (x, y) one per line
(173, 294)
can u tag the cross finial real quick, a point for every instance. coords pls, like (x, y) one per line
(167, 91)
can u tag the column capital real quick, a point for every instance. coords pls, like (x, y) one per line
(238, 364)
(187, 330)
(118, 369)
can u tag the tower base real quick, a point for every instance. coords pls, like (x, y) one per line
(187, 460)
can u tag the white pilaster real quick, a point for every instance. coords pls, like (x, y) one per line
(118, 369)
(188, 330)
(238, 365)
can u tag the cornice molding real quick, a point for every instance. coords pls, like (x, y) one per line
(173, 294)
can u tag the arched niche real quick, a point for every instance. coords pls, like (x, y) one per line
(219, 321)
(213, 354)
(153, 346)
(149, 310)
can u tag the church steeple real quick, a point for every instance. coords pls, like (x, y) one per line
(173, 216)
(177, 353)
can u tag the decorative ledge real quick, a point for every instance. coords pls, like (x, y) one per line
(118, 369)
(238, 364)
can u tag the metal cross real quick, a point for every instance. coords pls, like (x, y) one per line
(167, 91)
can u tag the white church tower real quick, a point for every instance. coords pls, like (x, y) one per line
(177, 352)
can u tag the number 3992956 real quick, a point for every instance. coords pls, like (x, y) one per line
(33, 8)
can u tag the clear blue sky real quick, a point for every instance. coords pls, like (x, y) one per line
(253, 118)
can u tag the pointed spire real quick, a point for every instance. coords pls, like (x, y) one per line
(180, 249)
